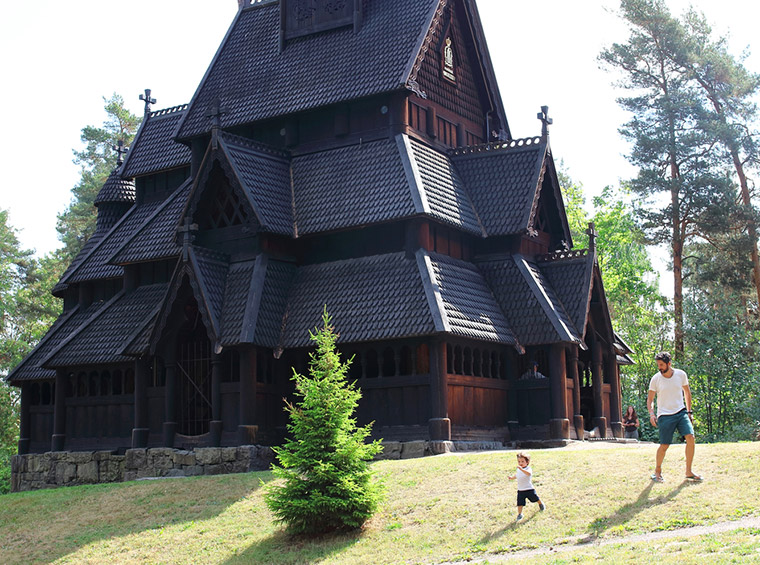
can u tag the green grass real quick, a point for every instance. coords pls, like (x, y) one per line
(437, 509)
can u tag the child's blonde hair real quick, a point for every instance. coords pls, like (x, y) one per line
(523, 455)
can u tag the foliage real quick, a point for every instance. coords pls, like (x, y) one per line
(327, 483)
(98, 158)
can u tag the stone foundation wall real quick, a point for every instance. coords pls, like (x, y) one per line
(67, 468)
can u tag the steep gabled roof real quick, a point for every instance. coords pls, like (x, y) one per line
(351, 186)
(154, 148)
(67, 323)
(254, 80)
(570, 273)
(94, 261)
(369, 298)
(264, 174)
(504, 182)
(531, 305)
(156, 237)
(441, 190)
(103, 337)
(116, 189)
(466, 304)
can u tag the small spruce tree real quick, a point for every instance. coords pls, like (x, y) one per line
(328, 485)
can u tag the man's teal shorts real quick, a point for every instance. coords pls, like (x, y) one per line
(668, 423)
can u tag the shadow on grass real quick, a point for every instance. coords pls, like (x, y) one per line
(629, 511)
(83, 515)
(282, 548)
(510, 527)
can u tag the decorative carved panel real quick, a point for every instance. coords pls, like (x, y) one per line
(303, 17)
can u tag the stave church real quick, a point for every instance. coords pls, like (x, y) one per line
(348, 155)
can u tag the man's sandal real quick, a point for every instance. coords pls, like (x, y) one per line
(657, 478)
(695, 478)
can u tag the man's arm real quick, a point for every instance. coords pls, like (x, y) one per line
(687, 399)
(650, 407)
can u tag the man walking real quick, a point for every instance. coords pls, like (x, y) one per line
(671, 387)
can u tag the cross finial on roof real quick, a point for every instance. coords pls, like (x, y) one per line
(187, 229)
(215, 113)
(148, 100)
(591, 231)
(546, 121)
(120, 151)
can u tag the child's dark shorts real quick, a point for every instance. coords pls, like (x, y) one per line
(522, 495)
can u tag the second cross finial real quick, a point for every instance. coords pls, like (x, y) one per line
(546, 121)
(148, 100)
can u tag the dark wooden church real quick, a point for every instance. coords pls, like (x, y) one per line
(351, 154)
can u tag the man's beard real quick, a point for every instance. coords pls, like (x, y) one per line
(663, 371)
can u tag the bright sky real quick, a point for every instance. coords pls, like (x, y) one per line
(58, 59)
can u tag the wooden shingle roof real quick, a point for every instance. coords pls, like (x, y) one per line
(154, 148)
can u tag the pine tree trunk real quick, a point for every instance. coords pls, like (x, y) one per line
(677, 247)
(751, 228)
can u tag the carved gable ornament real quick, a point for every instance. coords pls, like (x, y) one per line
(304, 17)
(448, 60)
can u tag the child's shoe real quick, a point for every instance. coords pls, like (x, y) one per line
(519, 517)
(541, 506)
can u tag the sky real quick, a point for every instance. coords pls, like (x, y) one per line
(58, 60)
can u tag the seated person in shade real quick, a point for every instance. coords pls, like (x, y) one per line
(532, 373)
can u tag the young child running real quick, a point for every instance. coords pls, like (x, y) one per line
(525, 488)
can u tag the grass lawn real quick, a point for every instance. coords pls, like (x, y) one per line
(437, 509)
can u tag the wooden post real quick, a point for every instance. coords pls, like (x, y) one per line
(140, 431)
(170, 403)
(616, 414)
(247, 429)
(573, 368)
(59, 412)
(24, 436)
(439, 425)
(215, 426)
(597, 378)
(559, 425)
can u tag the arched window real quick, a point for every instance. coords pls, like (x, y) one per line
(129, 381)
(116, 383)
(355, 368)
(389, 362)
(467, 361)
(94, 382)
(82, 384)
(371, 369)
(105, 383)
(406, 366)
(47, 395)
(476, 365)
(458, 361)
(449, 359)
(34, 394)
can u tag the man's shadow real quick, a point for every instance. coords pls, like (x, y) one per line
(628, 511)
(511, 527)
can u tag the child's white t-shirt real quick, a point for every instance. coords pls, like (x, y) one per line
(524, 481)
(669, 392)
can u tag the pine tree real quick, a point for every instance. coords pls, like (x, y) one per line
(327, 484)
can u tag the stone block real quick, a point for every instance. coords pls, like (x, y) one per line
(130, 475)
(183, 457)
(193, 470)
(263, 460)
(39, 463)
(228, 454)
(174, 473)
(79, 457)
(240, 466)
(147, 472)
(65, 473)
(102, 455)
(111, 471)
(412, 449)
(391, 450)
(246, 452)
(217, 469)
(87, 472)
(208, 455)
(135, 458)
(439, 447)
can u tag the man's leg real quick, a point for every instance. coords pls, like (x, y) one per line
(659, 459)
(690, 448)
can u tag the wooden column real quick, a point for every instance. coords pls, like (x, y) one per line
(572, 365)
(597, 380)
(439, 425)
(24, 424)
(247, 429)
(59, 412)
(559, 425)
(615, 400)
(215, 426)
(142, 376)
(170, 403)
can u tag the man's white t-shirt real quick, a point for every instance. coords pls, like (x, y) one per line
(524, 481)
(669, 392)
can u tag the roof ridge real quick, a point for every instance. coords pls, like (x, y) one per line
(492, 147)
(562, 255)
(268, 150)
(167, 111)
